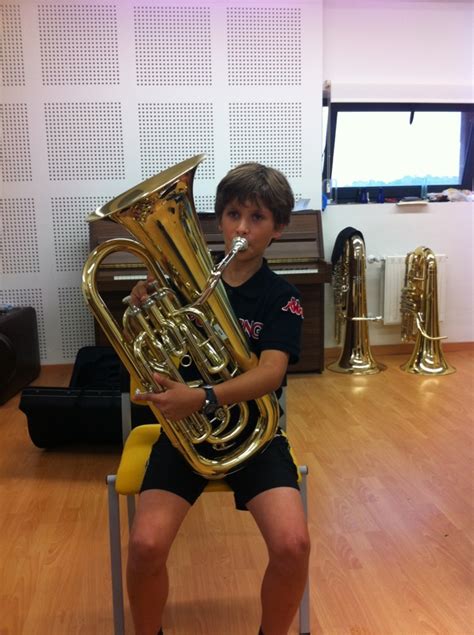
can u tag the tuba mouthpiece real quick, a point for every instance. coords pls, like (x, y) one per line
(240, 244)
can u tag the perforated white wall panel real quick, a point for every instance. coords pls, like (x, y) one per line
(70, 231)
(204, 203)
(77, 327)
(100, 95)
(264, 46)
(16, 148)
(252, 128)
(11, 46)
(172, 132)
(77, 135)
(173, 45)
(78, 44)
(19, 247)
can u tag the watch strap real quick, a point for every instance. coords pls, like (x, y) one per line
(210, 399)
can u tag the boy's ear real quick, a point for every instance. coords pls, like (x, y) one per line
(278, 231)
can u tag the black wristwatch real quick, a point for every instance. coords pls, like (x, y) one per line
(210, 402)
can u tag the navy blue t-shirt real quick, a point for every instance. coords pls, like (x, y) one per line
(269, 310)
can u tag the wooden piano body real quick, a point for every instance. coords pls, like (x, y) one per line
(298, 256)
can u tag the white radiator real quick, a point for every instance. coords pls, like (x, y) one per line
(392, 281)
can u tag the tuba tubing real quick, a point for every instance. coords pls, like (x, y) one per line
(187, 319)
(419, 311)
(350, 300)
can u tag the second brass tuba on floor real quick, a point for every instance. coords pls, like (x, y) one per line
(419, 309)
(350, 300)
(187, 329)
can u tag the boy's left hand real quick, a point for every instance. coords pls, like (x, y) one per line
(177, 400)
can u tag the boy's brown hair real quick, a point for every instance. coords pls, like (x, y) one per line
(256, 183)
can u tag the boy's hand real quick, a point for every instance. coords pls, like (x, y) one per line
(177, 401)
(139, 293)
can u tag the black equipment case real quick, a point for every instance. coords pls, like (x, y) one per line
(89, 410)
(19, 350)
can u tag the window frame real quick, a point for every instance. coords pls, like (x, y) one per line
(350, 194)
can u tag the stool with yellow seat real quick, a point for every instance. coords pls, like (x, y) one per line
(127, 482)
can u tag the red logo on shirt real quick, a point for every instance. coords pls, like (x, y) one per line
(252, 328)
(294, 306)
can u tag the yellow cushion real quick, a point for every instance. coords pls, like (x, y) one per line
(135, 455)
(300, 476)
(218, 485)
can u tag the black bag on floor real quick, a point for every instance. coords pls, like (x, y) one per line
(89, 410)
(19, 350)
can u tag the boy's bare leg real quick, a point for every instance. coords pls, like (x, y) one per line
(280, 516)
(158, 517)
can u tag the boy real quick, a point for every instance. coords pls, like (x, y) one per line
(255, 202)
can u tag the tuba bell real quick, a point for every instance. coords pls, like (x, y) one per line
(350, 303)
(186, 329)
(419, 309)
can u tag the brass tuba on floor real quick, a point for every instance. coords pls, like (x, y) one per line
(186, 329)
(350, 303)
(419, 309)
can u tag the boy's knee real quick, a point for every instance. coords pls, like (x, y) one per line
(146, 553)
(292, 550)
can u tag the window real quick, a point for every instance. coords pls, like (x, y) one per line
(398, 150)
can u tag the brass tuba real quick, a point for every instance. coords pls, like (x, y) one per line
(350, 303)
(419, 309)
(186, 329)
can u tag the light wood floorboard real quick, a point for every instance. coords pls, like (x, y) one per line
(390, 514)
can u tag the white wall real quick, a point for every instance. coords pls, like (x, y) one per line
(401, 50)
(96, 97)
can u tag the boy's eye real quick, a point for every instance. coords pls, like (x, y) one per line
(258, 217)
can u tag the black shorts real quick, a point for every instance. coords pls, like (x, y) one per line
(273, 467)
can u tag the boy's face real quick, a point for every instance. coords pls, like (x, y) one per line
(252, 221)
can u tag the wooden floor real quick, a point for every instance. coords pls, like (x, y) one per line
(390, 512)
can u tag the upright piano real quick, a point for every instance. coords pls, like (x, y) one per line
(298, 256)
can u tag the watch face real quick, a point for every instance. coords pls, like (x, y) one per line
(210, 404)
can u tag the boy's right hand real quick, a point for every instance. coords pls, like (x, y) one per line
(140, 292)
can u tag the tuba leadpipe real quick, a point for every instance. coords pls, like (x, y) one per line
(186, 329)
(419, 311)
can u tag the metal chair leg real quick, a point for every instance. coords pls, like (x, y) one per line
(282, 400)
(115, 556)
(130, 510)
(304, 612)
(126, 408)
